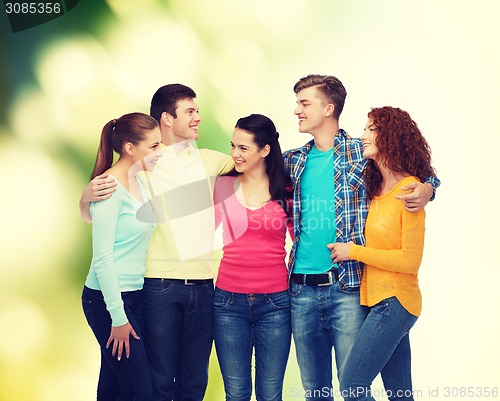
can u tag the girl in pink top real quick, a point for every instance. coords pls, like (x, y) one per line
(251, 304)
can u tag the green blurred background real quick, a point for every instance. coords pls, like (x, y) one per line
(63, 80)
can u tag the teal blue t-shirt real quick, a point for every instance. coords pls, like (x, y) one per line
(317, 217)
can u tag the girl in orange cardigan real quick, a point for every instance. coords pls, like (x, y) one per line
(398, 155)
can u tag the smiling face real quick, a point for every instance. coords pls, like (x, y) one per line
(246, 154)
(185, 125)
(312, 110)
(146, 151)
(370, 150)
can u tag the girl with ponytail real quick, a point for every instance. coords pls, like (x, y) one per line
(111, 297)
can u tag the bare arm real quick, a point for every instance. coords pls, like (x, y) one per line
(100, 188)
(421, 195)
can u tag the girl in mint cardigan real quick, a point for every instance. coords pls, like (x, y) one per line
(111, 297)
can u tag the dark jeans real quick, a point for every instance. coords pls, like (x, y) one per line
(127, 379)
(178, 334)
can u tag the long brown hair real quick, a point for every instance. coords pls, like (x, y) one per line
(401, 147)
(264, 133)
(116, 133)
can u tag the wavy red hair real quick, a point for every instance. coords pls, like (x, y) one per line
(401, 147)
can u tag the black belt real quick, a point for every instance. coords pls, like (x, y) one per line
(194, 282)
(187, 281)
(322, 279)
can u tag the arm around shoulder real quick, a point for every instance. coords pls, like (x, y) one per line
(98, 189)
(421, 194)
(85, 210)
(434, 182)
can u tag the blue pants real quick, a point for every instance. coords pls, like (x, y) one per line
(381, 346)
(244, 322)
(178, 335)
(323, 317)
(127, 379)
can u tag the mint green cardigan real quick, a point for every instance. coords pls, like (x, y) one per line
(120, 243)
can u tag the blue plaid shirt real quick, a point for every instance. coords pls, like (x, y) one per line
(351, 203)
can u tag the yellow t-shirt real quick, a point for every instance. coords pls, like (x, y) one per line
(181, 191)
(393, 251)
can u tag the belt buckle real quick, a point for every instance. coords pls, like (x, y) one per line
(186, 282)
(330, 280)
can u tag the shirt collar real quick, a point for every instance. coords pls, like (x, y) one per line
(171, 151)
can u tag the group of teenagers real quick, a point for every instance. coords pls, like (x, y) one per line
(353, 208)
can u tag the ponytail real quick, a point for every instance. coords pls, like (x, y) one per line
(129, 128)
(104, 159)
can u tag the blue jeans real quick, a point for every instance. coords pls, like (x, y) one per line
(323, 317)
(127, 379)
(178, 335)
(381, 346)
(252, 321)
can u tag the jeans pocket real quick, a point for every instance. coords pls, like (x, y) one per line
(295, 289)
(156, 286)
(348, 290)
(221, 298)
(382, 308)
(87, 310)
(280, 301)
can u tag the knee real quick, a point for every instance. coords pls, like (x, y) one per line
(143, 395)
(350, 390)
(239, 391)
(354, 393)
(139, 392)
(238, 395)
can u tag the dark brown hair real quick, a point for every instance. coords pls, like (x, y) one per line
(165, 99)
(264, 133)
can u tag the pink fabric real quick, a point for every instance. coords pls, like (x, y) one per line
(254, 243)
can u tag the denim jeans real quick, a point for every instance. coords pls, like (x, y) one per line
(127, 379)
(381, 346)
(323, 317)
(244, 322)
(178, 335)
